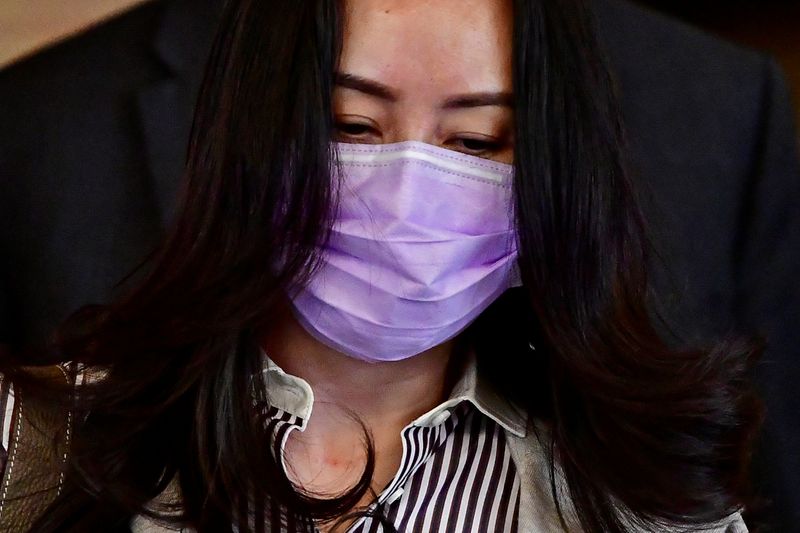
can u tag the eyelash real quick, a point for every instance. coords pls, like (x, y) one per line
(486, 146)
(483, 145)
(342, 127)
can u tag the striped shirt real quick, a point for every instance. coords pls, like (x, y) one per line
(456, 473)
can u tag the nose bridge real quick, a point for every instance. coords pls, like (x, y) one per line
(415, 121)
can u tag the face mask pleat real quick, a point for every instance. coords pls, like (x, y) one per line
(422, 243)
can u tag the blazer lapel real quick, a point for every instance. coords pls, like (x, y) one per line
(181, 45)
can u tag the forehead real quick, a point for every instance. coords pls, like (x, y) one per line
(423, 44)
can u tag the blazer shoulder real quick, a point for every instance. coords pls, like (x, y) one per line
(110, 60)
(650, 49)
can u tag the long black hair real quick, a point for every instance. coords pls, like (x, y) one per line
(642, 433)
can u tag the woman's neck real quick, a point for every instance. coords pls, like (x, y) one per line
(386, 392)
(328, 456)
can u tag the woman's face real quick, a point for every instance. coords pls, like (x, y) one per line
(435, 71)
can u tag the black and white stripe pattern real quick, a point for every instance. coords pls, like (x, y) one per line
(278, 423)
(456, 476)
(462, 481)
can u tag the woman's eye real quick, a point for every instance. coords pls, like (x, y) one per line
(353, 129)
(478, 146)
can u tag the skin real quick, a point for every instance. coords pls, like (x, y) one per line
(436, 71)
(437, 78)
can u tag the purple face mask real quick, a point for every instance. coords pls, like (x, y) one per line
(422, 244)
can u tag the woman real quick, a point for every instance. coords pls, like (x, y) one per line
(414, 220)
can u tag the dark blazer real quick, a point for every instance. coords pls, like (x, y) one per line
(93, 135)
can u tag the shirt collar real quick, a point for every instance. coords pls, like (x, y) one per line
(293, 395)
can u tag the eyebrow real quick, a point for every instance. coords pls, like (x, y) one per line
(379, 90)
(365, 85)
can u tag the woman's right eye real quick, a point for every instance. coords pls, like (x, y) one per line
(352, 129)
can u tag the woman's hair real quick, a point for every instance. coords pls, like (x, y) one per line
(642, 432)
